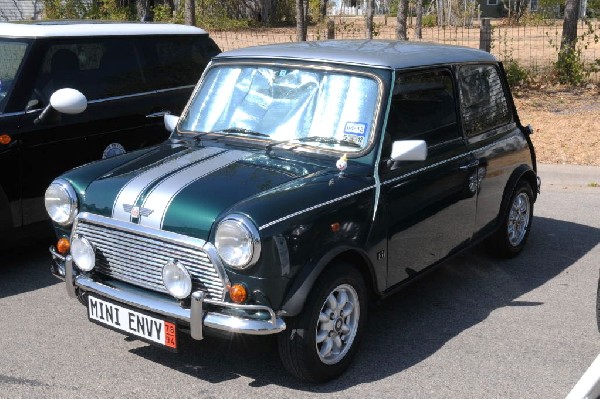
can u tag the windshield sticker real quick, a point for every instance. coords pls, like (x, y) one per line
(355, 132)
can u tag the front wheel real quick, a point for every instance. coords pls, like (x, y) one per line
(512, 234)
(319, 344)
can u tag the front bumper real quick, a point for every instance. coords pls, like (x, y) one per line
(195, 316)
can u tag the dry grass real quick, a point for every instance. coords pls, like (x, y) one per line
(566, 123)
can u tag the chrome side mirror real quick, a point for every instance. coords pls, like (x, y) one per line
(409, 150)
(171, 122)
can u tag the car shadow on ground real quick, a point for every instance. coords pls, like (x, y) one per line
(412, 324)
(26, 268)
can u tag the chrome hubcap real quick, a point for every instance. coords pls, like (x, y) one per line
(337, 324)
(518, 219)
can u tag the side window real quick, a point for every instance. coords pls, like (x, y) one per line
(423, 108)
(482, 99)
(98, 68)
(175, 61)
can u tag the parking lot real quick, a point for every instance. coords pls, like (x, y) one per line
(476, 327)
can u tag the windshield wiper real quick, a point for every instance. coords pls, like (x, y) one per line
(316, 139)
(241, 130)
(329, 140)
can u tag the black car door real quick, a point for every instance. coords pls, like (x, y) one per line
(429, 206)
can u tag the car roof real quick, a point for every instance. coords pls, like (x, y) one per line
(93, 28)
(375, 53)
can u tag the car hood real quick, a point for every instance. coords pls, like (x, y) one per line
(184, 189)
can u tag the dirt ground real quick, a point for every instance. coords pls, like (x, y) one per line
(566, 123)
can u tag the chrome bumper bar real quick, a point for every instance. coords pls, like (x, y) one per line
(195, 316)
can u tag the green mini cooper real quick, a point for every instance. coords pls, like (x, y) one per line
(301, 181)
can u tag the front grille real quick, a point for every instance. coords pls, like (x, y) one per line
(138, 259)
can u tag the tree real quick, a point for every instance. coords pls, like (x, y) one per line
(322, 9)
(569, 33)
(419, 21)
(190, 12)
(301, 25)
(369, 18)
(402, 18)
(145, 10)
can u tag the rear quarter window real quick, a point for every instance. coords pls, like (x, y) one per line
(482, 99)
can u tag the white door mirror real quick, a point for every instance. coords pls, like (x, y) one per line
(409, 150)
(171, 122)
(68, 101)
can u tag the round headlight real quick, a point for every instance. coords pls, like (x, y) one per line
(83, 253)
(237, 241)
(61, 202)
(177, 279)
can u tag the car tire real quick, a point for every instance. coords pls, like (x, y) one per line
(510, 238)
(318, 345)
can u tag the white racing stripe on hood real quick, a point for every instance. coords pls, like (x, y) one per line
(131, 191)
(163, 194)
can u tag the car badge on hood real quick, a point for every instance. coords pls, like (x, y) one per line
(136, 211)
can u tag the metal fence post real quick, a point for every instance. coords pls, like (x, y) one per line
(330, 29)
(485, 35)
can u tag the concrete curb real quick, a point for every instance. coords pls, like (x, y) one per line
(588, 386)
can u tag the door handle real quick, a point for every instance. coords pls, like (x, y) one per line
(159, 114)
(470, 165)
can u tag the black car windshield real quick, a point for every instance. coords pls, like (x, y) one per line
(11, 56)
(285, 104)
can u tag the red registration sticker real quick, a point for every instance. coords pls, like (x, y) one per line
(170, 335)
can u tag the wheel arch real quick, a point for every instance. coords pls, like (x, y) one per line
(523, 172)
(303, 284)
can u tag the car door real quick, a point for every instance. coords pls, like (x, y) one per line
(429, 206)
(16, 64)
(492, 135)
(108, 72)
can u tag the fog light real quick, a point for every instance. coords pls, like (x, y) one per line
(177, 279)
(63, 245)
(83, 253)
(238, 293)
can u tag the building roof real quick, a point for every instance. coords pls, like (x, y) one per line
(374, 53)
(93, 28)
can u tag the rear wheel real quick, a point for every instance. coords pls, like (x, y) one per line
(511, 236)
(319, 344)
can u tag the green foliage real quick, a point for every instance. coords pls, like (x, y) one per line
(429, 21)
(570, 68)
(516, 74)
(69, 9)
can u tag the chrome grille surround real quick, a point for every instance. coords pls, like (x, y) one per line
(136, 254)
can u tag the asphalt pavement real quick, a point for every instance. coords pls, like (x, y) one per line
(476, 327)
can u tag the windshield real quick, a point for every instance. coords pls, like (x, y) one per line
(11, 57)
(333, 110)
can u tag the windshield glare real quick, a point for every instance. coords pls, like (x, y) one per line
(287, 104)
(11, 56)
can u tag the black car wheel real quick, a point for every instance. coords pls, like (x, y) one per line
(319, 344)
(511, 236)
(598, 305)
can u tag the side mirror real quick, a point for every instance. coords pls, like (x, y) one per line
(409, 150)
(171, 122)
(68, 101)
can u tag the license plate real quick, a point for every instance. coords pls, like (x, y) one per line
(131, 322)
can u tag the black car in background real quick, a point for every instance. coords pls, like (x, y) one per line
(127, 76)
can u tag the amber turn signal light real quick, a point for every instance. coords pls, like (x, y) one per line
(238, 293)
(5, 139)
(63, 245)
